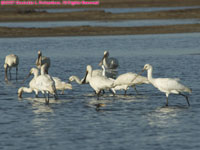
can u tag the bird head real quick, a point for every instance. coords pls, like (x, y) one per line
(105, 54)
(147, 67)
(88, 70)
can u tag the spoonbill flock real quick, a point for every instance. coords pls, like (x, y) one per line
(99, 79)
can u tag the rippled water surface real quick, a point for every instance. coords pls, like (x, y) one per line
(126, 122)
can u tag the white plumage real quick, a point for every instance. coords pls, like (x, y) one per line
(46, 84)
(61, 85)
(124, 81)
(32, 84)
(11, 60)
(98, 83)
(167, 85)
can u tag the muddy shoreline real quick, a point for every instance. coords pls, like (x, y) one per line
(113, 4)
(97, 15)
(93, 31)
(20, 14)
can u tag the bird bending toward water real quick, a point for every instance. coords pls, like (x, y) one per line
(167, 85)
(11, 61)
(32, 84)
(60, 85)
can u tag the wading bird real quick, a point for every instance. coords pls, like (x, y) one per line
(167, 85)
(98, 83)
(11, 61)
(59, 84)
(46, 84)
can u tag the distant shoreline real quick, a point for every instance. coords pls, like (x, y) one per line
(28, 14)
(94, 31)
(21, 16)
(116, 4)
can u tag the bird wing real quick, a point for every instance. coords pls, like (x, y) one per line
(125, 79)
(170, 85)
(100, 82)
(112, 63)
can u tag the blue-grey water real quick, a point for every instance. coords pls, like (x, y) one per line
(126, 122)
(125, 23)
(120, 10)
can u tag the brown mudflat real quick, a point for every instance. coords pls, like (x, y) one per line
(27, 13)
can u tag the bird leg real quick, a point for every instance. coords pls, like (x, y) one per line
(55, 95)
(166, 101)
(10, 73)
(62, 92)
(6, 77)
(48, 97)
(135, 90)
(46, 101)
(98, 94)
(125, 92)
(16, 72)
(20, 94)
(112, 91)
(36, 93)
(186, 97)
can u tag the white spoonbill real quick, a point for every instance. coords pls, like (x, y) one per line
(32, 84)
(167, 85)
(60, 85)
(46, 84)
(11, 60)
(43, 60)
(98, 83)
(109, 63)
(129, 79)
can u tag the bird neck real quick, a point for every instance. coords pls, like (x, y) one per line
(149, 74)
(89, 76)
(103, 71)
(77, 79)
(105, 61)
(42, 71)
(35, 74)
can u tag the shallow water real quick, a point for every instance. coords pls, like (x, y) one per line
(126, 23)
(126, 122)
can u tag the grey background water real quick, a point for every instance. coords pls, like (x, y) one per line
(119, 10)
(126, 23)
(126, 122)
